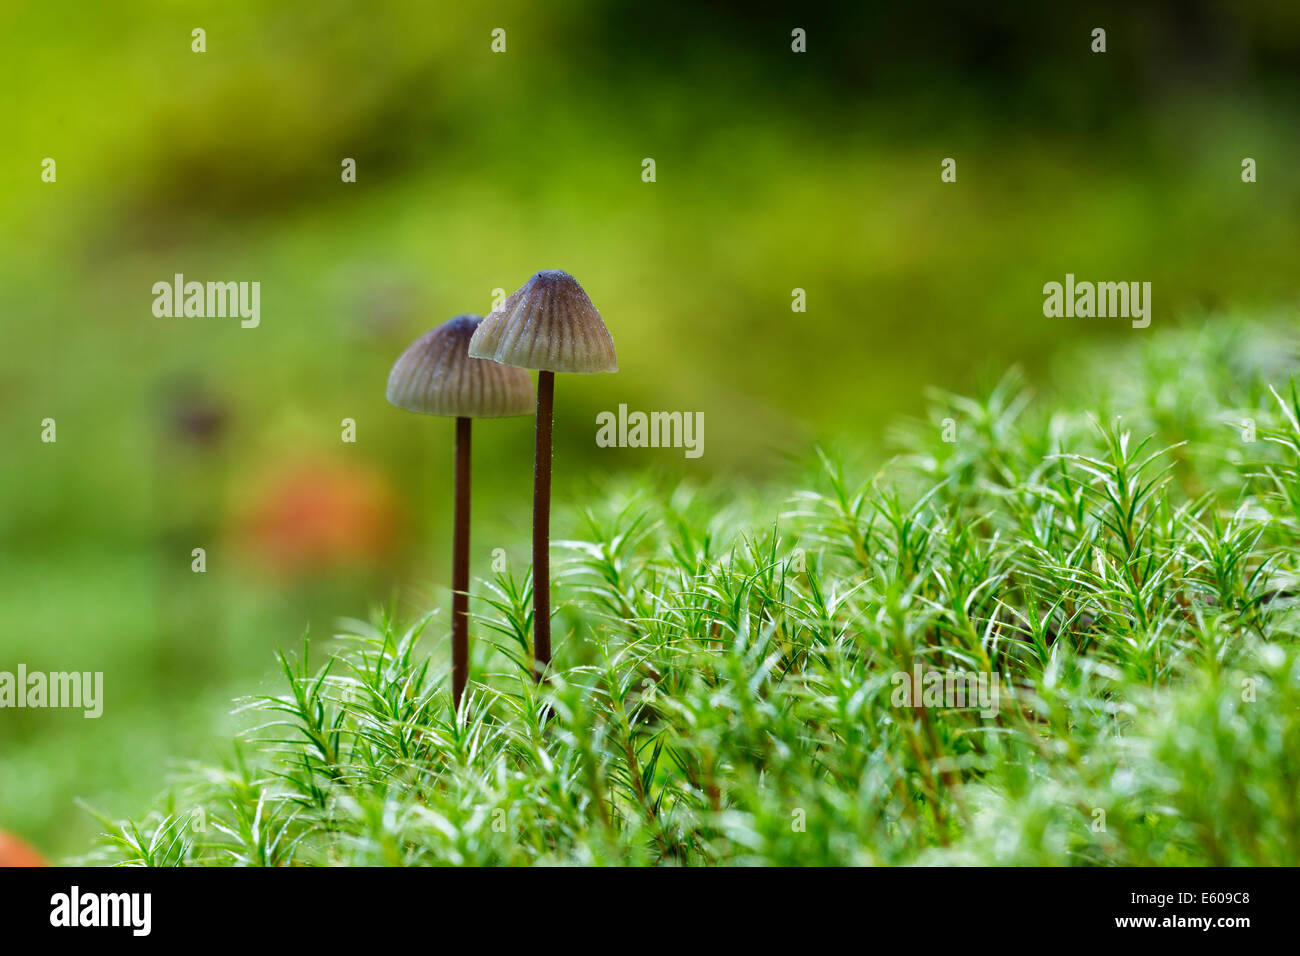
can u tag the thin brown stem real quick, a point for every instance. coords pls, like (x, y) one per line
(460, 567)
(542, 525)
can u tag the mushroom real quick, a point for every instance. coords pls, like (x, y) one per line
(436, 376)
(548, 324)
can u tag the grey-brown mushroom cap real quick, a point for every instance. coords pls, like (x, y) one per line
(436, 376)
(548, 323)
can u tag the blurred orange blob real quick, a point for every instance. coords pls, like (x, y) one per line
(321, 515)
(14, 852)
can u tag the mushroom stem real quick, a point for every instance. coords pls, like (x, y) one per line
(460, 567)
(542, 525)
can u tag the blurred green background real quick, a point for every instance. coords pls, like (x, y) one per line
(775, 171)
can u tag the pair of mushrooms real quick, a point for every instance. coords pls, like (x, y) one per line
(473, 367)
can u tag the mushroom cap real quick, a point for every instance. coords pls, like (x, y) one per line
(436, 376)
(548, 323)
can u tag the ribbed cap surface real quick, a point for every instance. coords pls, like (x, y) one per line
(436, 376)
(548, 323)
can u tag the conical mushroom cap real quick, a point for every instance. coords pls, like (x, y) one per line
(548, 323)
(436, 376)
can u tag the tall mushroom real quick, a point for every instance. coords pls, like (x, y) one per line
(548, 324)
(436, 376)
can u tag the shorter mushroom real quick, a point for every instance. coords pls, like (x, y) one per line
(436, 376)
